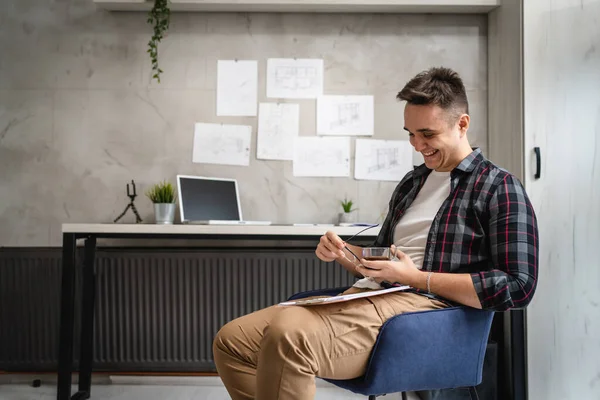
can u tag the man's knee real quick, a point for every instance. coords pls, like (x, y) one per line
(226, 336)
(290, 325)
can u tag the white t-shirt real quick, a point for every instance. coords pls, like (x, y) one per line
(410, 234)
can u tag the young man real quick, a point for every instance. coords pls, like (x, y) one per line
(463, 231)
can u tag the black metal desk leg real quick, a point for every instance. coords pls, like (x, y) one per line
(87, 317)
(67, 304)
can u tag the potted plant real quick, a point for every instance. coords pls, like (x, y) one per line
(159, 17)
(347, 216)
(163, 196)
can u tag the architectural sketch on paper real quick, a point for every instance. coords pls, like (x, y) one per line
(321, 159)
(294, 78)
(278, 126)
(345, 115)
(222, 144)
(382, 160)
(314, 156)
(348, 115)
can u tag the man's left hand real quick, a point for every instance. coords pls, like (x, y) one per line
(401, 269)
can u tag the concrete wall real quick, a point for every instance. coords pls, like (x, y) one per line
(80, 116)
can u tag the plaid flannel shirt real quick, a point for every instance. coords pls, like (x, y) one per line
(486, 227)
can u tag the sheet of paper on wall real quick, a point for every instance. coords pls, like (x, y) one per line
(345, 115)
(237, 87)
(222, 144)
(322, 156)
(278, 126)
(289, 78)
(382, 160)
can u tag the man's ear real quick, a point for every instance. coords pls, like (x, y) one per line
(463, 124)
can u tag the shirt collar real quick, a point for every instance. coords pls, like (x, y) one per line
(469, 163)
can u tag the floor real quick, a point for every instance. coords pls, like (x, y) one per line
(19, 387)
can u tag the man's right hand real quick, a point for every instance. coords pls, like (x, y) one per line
(331, 247)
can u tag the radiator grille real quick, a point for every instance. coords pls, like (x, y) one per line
(156, 309)
(29, 309)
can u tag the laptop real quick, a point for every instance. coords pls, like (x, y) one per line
(210, 201)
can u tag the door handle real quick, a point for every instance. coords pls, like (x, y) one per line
(538, 163)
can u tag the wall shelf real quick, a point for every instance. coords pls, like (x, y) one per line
(325, 6)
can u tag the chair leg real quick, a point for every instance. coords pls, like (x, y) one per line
(473, 393)
(372, 397)
(404, 396)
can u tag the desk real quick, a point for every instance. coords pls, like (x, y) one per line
(91, 232)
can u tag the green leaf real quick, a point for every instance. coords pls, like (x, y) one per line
(347, 205)
(159, 17)
(162, 192)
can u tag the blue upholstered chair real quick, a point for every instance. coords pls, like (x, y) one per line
(427, 350)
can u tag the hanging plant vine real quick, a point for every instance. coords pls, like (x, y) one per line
(159, 17)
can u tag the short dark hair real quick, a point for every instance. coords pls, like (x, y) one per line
(439, 86)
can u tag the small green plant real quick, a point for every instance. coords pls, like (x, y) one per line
(159, 17)
(161, 193)
(347, 205)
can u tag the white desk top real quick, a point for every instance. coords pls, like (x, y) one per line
(176, 229)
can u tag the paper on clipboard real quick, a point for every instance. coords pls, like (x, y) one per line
(346, 297)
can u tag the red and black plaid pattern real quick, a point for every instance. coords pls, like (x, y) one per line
(486, 227)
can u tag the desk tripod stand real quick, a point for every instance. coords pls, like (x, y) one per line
(131, 196)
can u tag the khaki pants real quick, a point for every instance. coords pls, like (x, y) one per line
(275, 353)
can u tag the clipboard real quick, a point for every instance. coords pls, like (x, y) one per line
(338, 299)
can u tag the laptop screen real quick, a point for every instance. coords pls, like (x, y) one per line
(203, 199)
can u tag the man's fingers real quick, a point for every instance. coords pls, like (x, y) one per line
(397, 252)
(335, 251)
(329, 250)
(325, 256)
(335, 239)
(372, 265)
(331, 247)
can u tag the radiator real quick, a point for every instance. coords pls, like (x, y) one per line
(156, 309)
(29, 309)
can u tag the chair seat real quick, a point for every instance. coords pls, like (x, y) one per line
(425, 350)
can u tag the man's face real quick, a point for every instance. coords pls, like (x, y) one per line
(436, 134)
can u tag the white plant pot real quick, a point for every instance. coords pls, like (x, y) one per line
(164, 213)
(346, 218)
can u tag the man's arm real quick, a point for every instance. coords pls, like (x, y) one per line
(514, 250)
(454, 287)
(513, 238)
